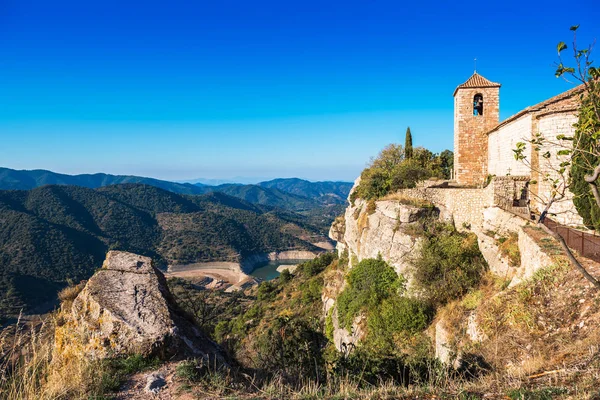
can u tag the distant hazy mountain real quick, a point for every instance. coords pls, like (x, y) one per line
(290, 194)
(52, 234)
(11, 179)
(325, 192)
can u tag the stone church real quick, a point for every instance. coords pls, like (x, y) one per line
(483, 145)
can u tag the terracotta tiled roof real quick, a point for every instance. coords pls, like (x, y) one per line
(562, 96)
(476, 81)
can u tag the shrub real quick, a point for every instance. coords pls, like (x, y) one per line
(391, 171)
(316, 265)
(188, 370)
(406, 314)
(449, 264)
(291, 347)
(369, 282)
(311, 290)
(266, 291)
(285, 276)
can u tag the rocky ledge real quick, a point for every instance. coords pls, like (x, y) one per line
(126, 308)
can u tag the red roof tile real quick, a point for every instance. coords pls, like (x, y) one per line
(476, 81)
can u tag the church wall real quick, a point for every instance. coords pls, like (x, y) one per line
(502, 142)
(551, 125)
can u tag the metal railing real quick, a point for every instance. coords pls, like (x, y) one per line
(586, 244)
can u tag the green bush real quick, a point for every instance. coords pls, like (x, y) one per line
(285, 276)
(391, 171)
(266, 291)
(311, 290)
(188, 370)
(369, 282)
(316, 265)
(406, 314)
(449, 264)
(291, 347)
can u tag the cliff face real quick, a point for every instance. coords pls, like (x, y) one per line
(379, 228)
(371, 229)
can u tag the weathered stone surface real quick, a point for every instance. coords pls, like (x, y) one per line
(532, 258)
(369, 234)
(443, 350)
(498, 264)
(344, 340)
(473, 330)
(126, 308)
(155, 382)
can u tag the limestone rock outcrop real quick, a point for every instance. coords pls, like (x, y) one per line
(126, 308)
(372, 229)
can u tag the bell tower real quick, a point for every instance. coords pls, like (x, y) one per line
(476, 111)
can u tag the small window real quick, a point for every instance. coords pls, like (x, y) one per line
(478, 105)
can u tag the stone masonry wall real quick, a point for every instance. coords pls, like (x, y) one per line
(465, 205)
(470, 134)
(501, 142)
(510, 193)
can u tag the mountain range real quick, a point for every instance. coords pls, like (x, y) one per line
(54, 234)
(290, 194)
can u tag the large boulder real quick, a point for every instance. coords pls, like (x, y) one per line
(126, 308)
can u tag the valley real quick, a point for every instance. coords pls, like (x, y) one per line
(56, 234)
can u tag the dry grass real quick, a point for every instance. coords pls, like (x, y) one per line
(409, 201)
(29, 369)
(509, 248)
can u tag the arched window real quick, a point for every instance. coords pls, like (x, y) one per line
(478, 104)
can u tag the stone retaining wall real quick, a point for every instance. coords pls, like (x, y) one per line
(465, 204)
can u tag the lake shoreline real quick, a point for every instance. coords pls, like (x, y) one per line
(236, 273)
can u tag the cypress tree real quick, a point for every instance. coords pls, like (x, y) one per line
(408, 147)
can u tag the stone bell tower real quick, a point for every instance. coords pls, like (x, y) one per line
(476, 111)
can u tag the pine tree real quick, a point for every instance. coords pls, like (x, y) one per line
(408, 147)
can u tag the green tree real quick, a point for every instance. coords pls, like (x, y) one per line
(408, 146)
(578, 155)
(447, 163)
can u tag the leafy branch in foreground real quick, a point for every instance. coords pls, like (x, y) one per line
(572, 163)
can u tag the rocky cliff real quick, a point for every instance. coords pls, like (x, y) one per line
(370, 229)
(385, 228)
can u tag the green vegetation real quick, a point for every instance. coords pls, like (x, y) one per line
(281, 333)
(289, 194)
(586, 157)
(57, 234)
(369, 283)
(449, 263)
(376, 292)
(393, 170)
(548, 393)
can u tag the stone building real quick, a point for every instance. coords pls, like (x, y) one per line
(483, 146)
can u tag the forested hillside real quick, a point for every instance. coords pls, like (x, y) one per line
(11, 179)
(325, 192)
(55, 234)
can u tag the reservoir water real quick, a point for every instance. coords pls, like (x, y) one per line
(269, 271)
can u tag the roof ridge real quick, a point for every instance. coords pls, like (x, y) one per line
(476, 81)
(536, 107)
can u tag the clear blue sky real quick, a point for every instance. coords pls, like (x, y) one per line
(216, 89)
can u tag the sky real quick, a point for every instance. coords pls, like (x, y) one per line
(181, 90)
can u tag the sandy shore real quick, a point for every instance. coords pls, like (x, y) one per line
(221, 271)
